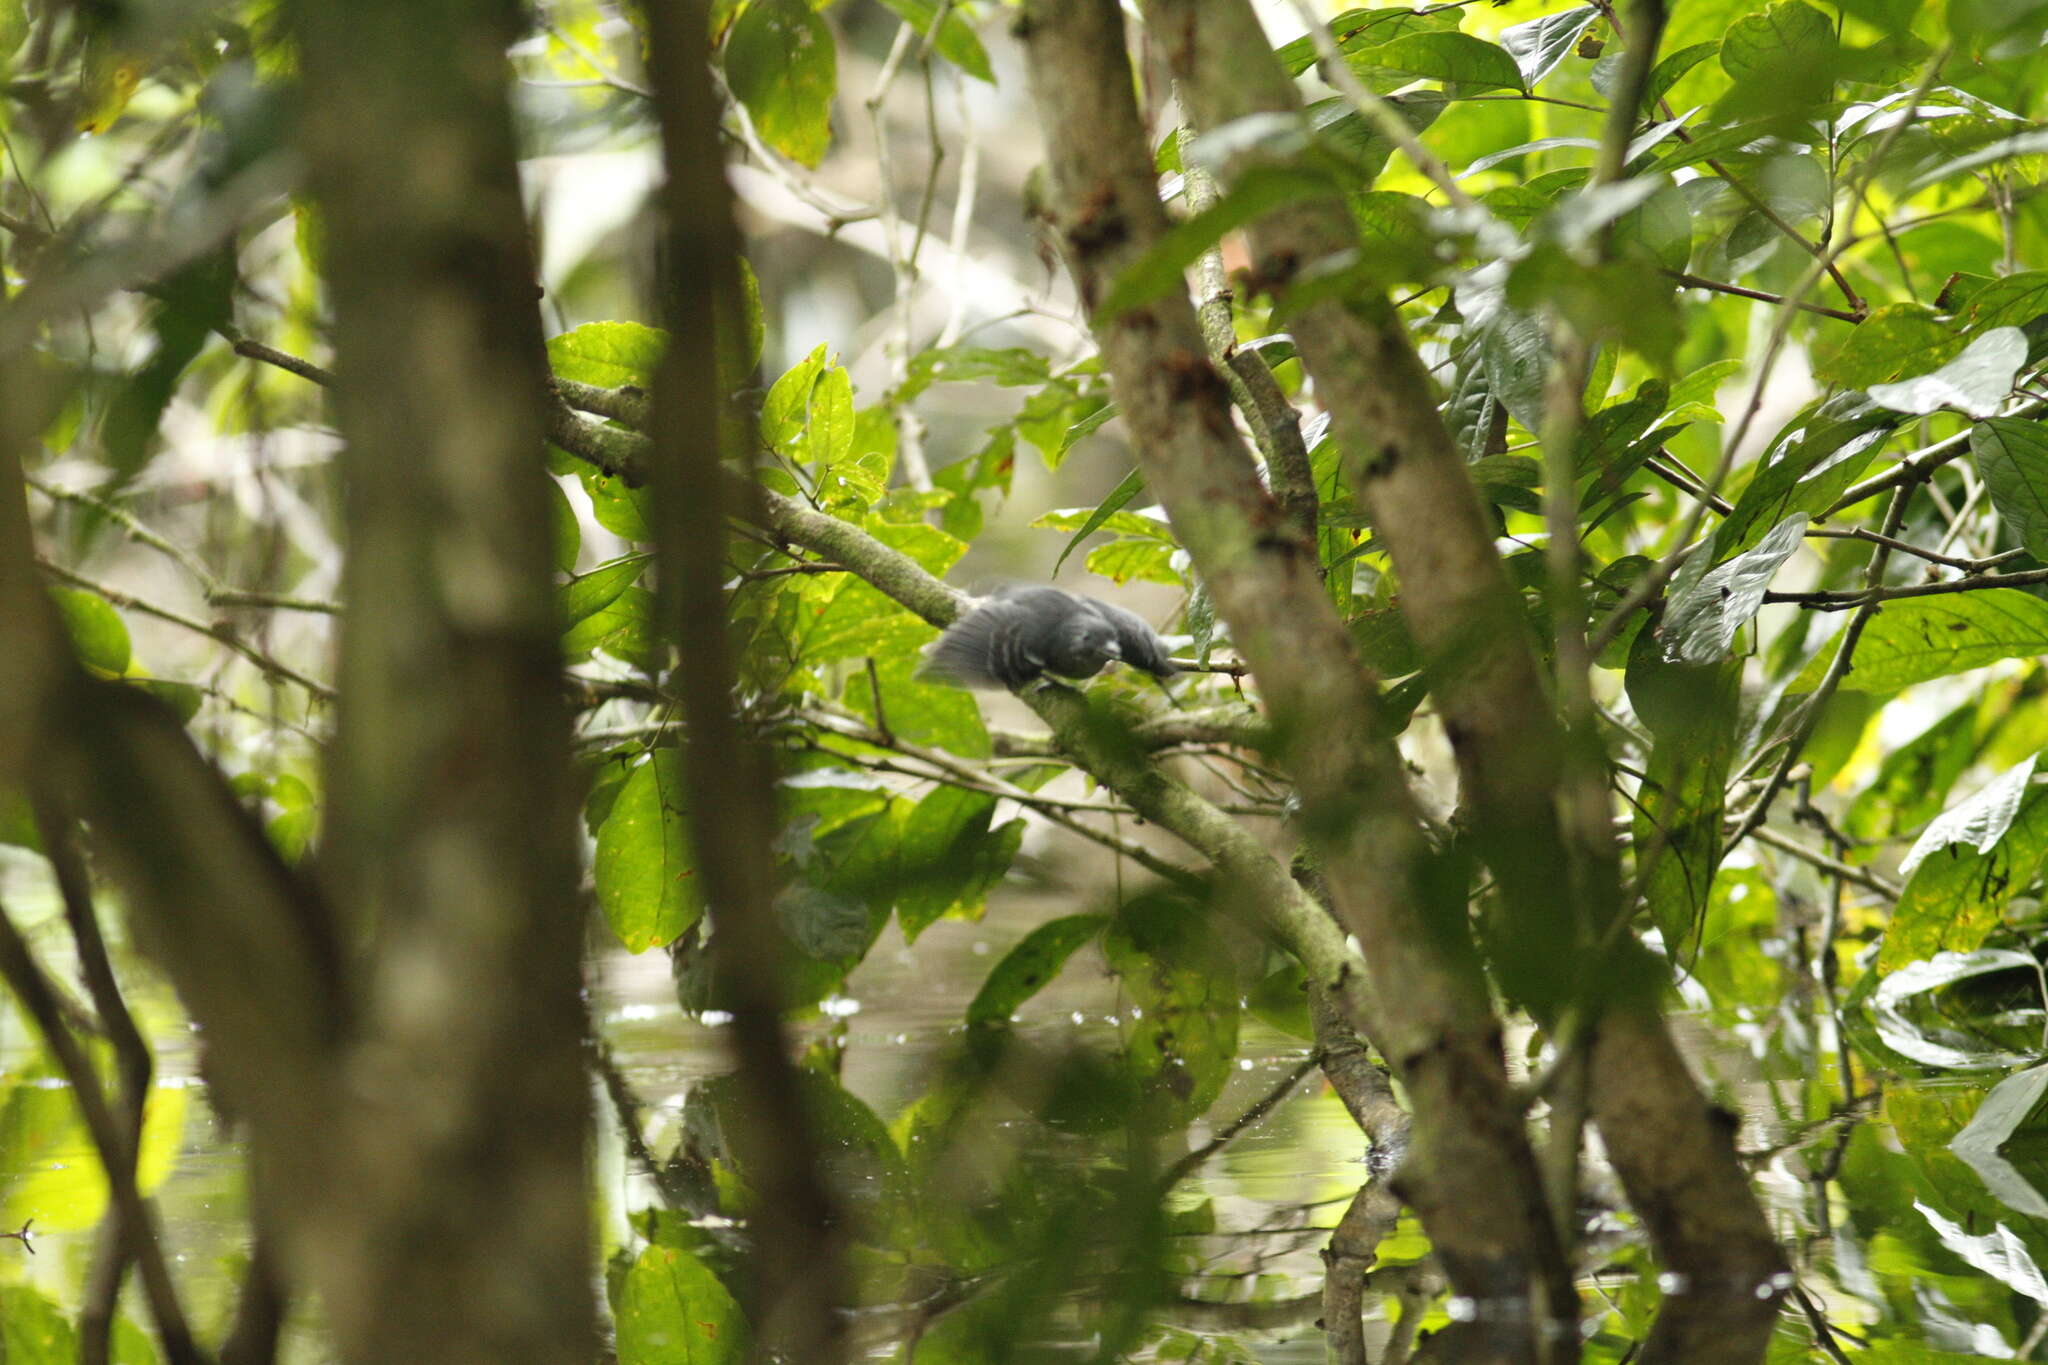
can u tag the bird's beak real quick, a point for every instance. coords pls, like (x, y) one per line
(1114, 650)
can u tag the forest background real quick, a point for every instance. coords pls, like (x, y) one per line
(483, 879)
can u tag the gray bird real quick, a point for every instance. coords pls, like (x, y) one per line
(1022, 633)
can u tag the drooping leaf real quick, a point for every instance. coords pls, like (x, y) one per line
(782, 65)
(1691, 711)
(1955, 898)
(2011, 456)
(1541, 43)
(646, 867)
(1027, 967)
(1975, 382)
(2011, 1103)
(1707, 608)
(956, 42)
(591, 593)
(1934, 1045)
(1979, 822)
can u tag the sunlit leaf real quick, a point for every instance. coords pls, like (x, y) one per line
(1540, 44)
(782, 65)
(1998, 1253)
(1919, 638)
(610, 355)
(97, 631)
(1980, 821)
(672, 1310)
(646, 868)
(956, 42)
(1955, 898)
(1465, 64)
(581, 597)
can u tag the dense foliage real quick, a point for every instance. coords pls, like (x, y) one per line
(1728, 318)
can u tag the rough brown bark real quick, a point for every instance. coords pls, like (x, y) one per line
(1470, 1175)
(1679, 1167)
(456, 1224)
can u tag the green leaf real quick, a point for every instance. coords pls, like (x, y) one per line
(2012, 458)
(1030, 965)
(1540, 44)
(1783, 57)
(97, 631)
(1918, 638)
(1708, 606)
(1159, 271)
(1979, 821)
(646, 869)
(1898, 340)
(1691, 711)
(611, 355)
(2005, 149)
(1131, 485)
(781, 64)
(1914, 778)
(956, 42)
(787, 408)
(1817, 456)
(950, 858)
(1357, 30)
(581, 597)
(1660, 228)
(1673, 68)
(1466, 65)
(34, 1331)
(566, 531)
(1975, 382)
(2015, 301)
(1956, 897)
(623, 628)
(619, 508)
(672, 1310)
(194, 300)
(1181, 1035)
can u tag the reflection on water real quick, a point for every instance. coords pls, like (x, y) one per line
(1850, 1185)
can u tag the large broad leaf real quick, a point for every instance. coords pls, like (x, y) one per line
(1707, 608)
(646, 869)
(1935, 1044)
(1894, 342)
(610, 355)
(1691, 711)
(1026, 968)
(1781, 60)
(672, 1310)
(1980, 821)
(1999, 1253)
(2012, 458)
(1955, 898)
(781, 64)
(1975, 382)
(1919, 638)
(951, 858)
(1812, 463)
(2009, 1105)
(1356, 30)
(1181, 1031)
(584, 597)
(1465, 64)
(1542, 43)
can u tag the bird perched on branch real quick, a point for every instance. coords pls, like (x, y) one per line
(1022, 633)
